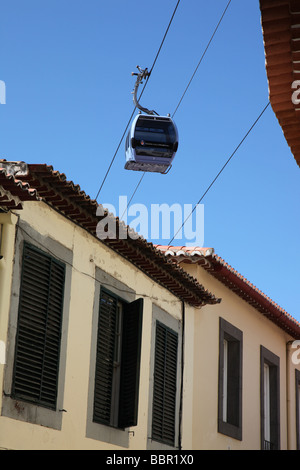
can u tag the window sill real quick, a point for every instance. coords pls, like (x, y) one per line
(230, 430)
(107, 433)
(31, 413)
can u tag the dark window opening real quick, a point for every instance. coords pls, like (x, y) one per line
(270, 400)
(230, 380)
(117, 361)
(161, 132)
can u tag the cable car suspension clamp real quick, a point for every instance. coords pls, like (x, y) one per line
(143, 73)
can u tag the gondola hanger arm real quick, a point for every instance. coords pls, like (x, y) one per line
(143, 73)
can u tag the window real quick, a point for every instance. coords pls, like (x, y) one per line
(269, 394)
(37, 350)
(155, 131)
(297, 372)
(164, 385)
(230, 380)
(117, 361)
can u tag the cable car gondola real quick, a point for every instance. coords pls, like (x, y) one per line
(151, 144)
(152, 140)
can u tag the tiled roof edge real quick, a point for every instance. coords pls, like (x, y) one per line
(226, 274)
(68, 199)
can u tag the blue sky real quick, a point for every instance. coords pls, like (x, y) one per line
(67, 68)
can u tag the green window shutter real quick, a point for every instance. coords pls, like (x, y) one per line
(130, 368)
(164, 386)
(39, 328)
(105, 358)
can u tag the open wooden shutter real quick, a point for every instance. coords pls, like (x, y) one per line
(130, 366)
(164, 386)
(39, 328)
(105, 358)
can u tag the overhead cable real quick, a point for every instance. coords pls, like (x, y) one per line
(222, 169)
(124, 133)
(190, 81)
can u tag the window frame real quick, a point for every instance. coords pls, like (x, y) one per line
(17, 408)
(273, 362)
(16, 393)
(170, 338)
(117, 418)
(175, 325)
(234, 339)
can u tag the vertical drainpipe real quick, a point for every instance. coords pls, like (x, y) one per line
(181, 384)
(289, 389)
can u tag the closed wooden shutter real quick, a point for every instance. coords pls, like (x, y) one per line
(164, 386)
(106, 399)
(105, 358)
(130, 366)
(39, 328)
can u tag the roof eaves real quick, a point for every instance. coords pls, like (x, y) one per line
(13, 191)
(281, 33)
(232, 279)
(68, 199)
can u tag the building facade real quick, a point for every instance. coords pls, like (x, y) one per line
(117, 344)
(92, 330)
(246, 361)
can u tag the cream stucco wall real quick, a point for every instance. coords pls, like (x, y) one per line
(85, 256)
(8, 222)
(40, 223)
(257, 330)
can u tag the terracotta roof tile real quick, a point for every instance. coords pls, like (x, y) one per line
(226, 274)
(13, 191)
(281, 33)
(71, 201)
